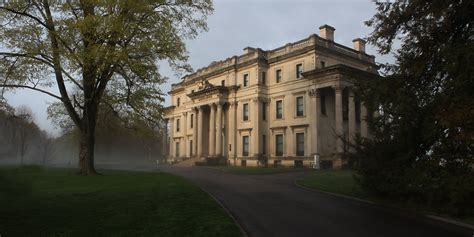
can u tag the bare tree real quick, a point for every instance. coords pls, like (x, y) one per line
(44, 144)
(25, 129)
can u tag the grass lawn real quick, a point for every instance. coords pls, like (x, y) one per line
(56, 202)
(342, 182)
(333, 181)
(258, 170)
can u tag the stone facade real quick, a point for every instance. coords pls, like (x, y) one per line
(274, 107)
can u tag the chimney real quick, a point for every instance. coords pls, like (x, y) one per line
(359, 44)
(327, 32)
(248, 50)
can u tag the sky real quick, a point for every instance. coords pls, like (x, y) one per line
(236, 24)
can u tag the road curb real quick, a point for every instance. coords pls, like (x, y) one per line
(433, 217)
(333, 194)
(278, 172)
(229, 213)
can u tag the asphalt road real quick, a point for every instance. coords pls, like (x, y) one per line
(271, 205)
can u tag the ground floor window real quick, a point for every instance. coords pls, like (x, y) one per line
(279, 145)
(177, 149)
(245, 145)
(300, 144)
(298, 163)
(277, 163)
(191, 148)
(243, 163)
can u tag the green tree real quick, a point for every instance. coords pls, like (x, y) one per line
(95, 52)
(422, 135)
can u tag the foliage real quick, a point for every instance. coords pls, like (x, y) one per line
(421, 145)
(55, 202)
(97, 52)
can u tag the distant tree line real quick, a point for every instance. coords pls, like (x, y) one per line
(421, 148)
(21, 136)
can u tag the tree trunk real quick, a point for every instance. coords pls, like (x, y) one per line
(86, 150)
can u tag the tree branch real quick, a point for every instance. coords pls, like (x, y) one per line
(31, 88)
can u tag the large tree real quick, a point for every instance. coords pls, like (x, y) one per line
(96, 51)
(422, 145)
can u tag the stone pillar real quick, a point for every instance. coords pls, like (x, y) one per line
(339, 119)
(232, 131)
(171, 134)
(184, 145)
(195, 131)
(351, 117)
(255, 138)
(212, 131)
(199, 132)
(165, 139)
(313, 138)
(364, 131)
(219, 130)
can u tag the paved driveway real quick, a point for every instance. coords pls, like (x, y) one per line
(270, 205)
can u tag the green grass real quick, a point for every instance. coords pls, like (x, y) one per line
(333, 181)
(56, 202)
(343, 182)
(258, 170)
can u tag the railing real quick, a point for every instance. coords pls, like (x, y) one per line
(311, 40)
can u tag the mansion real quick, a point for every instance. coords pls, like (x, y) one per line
(272, 107)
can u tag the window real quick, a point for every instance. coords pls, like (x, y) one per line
(243, 163)
(278, 75)
(299, 70)
(279, 145)
(245, 145)
(298, 163)
(177, 149)
(223, 83)
(299, 106)
(246, 112)
(191, 148)
(279, 109)
(276, 163)
(177, 125)
(192, 121)
(264, 111)
(246, 80)
(323, 104)
(264, 78)
(323, 64)
(178, 102)
(300, 144)
(264, 144)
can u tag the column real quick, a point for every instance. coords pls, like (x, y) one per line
(165, 139)
(195, 131)
(212, 131)
(219, 130)
(255, 137)
(364, 131)
(184, 151)
(171, 134)
(351, 117)
(232, 130)
(339, 119)
(199, 133)
(314, 121)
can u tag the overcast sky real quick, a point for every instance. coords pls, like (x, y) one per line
(236, 24)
